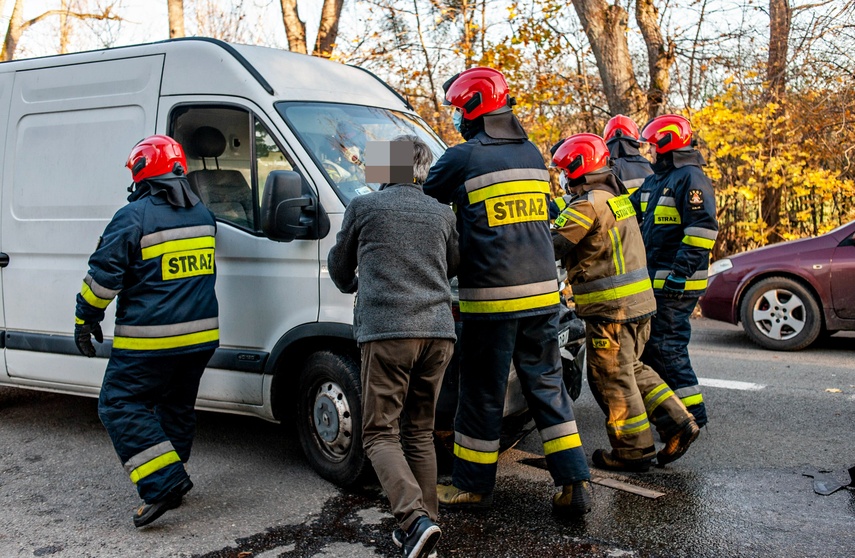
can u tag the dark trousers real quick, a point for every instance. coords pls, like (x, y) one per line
(146, 405)
(401, 379)
(488, 348)
(667, 352)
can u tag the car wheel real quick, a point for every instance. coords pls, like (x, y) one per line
(329, 422)
(780, 314)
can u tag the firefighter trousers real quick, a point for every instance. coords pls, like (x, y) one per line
(667, 352)
(487, 349)
(629, 392)
(146, 405)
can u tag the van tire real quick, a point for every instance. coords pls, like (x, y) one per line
(329, 421)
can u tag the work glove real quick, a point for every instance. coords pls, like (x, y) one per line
(674, 286)
(83, 334)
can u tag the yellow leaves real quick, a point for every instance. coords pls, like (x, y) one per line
(756, 149)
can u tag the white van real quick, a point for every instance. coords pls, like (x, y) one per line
(270, 137)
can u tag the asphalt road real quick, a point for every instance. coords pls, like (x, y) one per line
(739, 491)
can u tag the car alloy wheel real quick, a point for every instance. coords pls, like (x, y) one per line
(781, 314)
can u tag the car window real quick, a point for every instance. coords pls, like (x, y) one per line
(336, 135)
(268, 157)
(230, 153)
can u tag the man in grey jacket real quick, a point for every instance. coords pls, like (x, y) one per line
(405, 245)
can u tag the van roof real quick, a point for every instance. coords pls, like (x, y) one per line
(198, 65)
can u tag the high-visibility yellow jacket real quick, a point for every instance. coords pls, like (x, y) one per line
(600, 243)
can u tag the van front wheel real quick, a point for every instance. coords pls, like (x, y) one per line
(330, 417)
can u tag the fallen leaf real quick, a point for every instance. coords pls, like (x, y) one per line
(834, 390)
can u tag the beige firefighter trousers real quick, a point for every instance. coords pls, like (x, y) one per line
(630, 393)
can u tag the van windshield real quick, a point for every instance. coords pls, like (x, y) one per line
(336, 135)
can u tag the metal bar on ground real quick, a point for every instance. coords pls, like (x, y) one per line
(626, 487)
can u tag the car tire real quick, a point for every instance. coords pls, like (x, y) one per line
(780, 314)
(574, 371)
(329, 421)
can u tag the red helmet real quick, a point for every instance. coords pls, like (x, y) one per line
(620, 126)
(668, 132)
(580, 154)
(155, 155)
(477, 91)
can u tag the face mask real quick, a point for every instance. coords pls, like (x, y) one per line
(563, 182)
(458, 120)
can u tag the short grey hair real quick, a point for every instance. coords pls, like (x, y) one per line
(422, 157)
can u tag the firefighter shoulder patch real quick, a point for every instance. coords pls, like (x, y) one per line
(696, 199)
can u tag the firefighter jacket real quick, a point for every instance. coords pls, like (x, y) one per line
(557, 205)
(158, 259)
(604, 254)
(676, 206)
(630, 166)
(500, 190)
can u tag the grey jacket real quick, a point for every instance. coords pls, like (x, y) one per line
(405, 245)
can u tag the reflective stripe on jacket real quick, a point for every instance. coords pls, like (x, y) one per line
(500, 189)
(607, 268)
(678, 224)
(159, 261)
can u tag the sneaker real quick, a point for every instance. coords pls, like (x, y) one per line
(677, 444)
(603, 459)
(452, 497)
(398, 537)
(421, 538)
(149, 512)
(574, 499)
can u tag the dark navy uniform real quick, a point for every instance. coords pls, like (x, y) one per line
(679, 228)
(630, 166)
(158, 259)
(509, 305)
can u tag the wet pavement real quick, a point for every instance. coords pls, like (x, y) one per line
(739, 491)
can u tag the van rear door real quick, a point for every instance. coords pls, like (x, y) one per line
(70, 130)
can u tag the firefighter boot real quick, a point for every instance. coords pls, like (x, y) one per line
(149, 512)
(677, 444)
(452, 497)
(574, 499)
(603, 459)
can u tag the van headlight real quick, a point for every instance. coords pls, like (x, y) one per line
(720, 265)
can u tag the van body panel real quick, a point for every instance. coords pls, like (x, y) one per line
(301, 77)
(335, 305)
(58, 194)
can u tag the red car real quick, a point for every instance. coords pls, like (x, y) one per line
(787, 294)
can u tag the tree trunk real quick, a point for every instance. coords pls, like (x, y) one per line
(176, 18)
(14, 31)
(660, 56)
(295, 28)
(606, 27)
(780, 18)
(63, 27)
(328, 30)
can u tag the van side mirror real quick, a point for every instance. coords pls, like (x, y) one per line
(290, 209)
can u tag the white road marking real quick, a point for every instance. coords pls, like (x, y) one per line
(730, 384)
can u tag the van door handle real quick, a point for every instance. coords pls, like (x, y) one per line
(4, 259)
